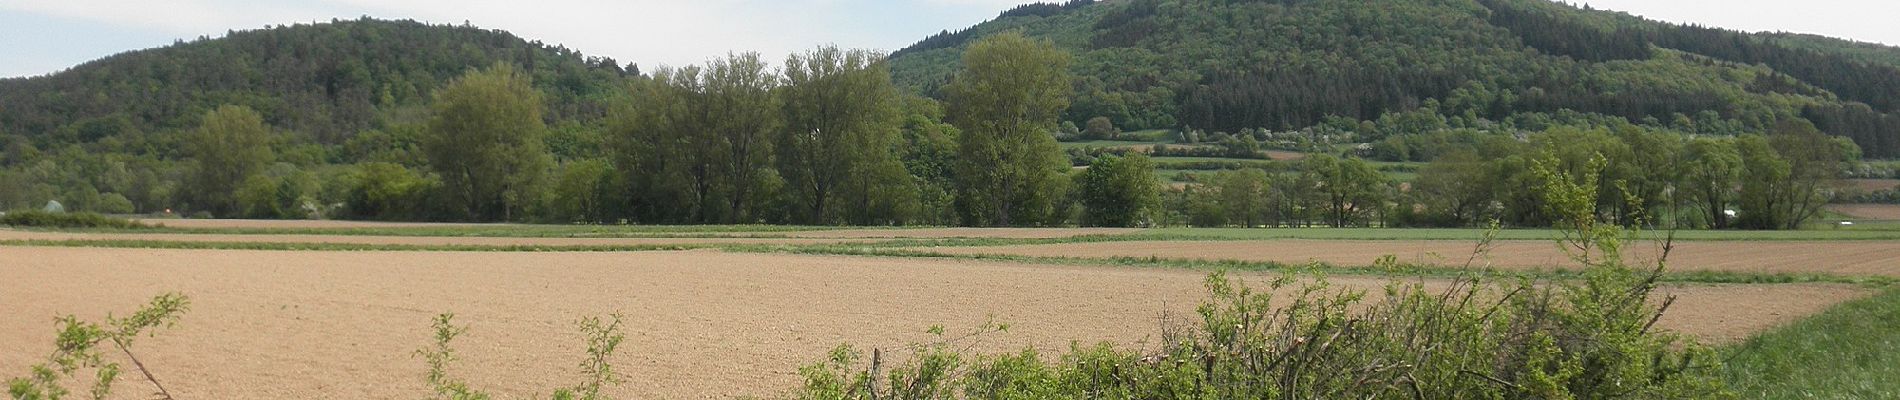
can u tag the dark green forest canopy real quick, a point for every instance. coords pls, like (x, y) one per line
(1224, 66)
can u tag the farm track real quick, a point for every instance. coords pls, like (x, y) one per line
(413, 240)
(1841, 258)
(304, 224)
(1877, 212)
(700, 324)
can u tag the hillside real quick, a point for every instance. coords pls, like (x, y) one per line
(1291, 64)
(323, 82)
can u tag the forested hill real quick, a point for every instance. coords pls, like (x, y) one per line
(323, 82)
(1513, 64)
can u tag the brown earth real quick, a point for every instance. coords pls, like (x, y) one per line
(1882, 212)
(410, 240)
(948, 233)
(1852, 258)
(1283, 155)
(699, 324)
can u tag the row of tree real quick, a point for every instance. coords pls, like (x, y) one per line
(1645, 178)
(826, 139)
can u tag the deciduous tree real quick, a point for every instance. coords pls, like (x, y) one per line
(231, 146)
(1006, 102)
(484, 139)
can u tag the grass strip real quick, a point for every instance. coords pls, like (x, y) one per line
(1849, 352)
(1398, 270)
(529, 231)
(280, 246)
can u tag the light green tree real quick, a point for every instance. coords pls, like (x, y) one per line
(838, 148)
(1245, 195)
(231, 146)
(1118, 191)
(1351, 188)
(738, 116)
(583, 192)
(1006, 102)
(1786, 173)
(484, 139)
(1711, 169)
(1458, 188)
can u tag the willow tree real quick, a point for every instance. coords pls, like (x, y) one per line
(837, 151)
(484, 139)
(1006, 102)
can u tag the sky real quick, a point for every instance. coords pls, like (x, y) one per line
(44, 36)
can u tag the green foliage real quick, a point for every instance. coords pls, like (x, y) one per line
(484, 140)
(837, 151)
(1413, 66)
(385, 191)
(78, 348)
(1351, 190)
(1786, 174)
(43, 219)
(231, 146)
(285, 192)
(695, 144)
(583, 192)
(1846, 352)
(1118, 191)
(1101, 128)
(1006, 101)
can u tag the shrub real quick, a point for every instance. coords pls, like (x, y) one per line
(78, 348)
(42, 219)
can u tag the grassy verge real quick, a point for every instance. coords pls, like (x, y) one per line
(1849, 352)
(1395, 270)
(160, 244)
(529, 231)
(82, 220)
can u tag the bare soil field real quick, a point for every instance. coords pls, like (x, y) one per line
(949, 233)
(1283, 155)
(298, 224)
(1847, 258)
(1882, 212)
(412, 240)
(699, 324)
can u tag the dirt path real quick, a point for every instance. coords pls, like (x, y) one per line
(1841, 258)
(301, 224)
(411, 240)
(949, 233)
(700, 324)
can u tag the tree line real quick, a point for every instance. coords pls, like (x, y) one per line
(824, 138)
(1644, 178)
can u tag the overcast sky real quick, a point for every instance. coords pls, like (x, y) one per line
(44, 36)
